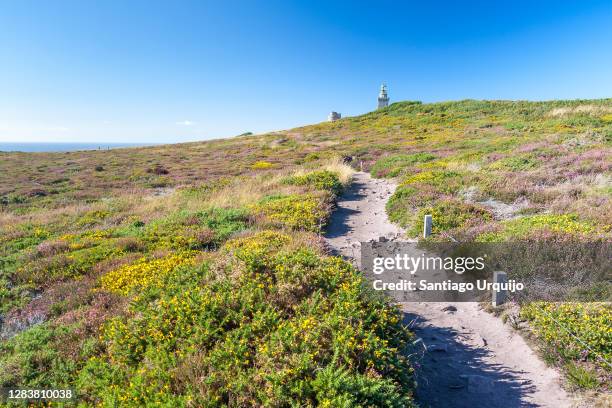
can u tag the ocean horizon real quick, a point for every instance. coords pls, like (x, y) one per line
(58, 147)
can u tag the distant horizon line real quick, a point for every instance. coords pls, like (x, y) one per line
(87, 143)
(65, 147)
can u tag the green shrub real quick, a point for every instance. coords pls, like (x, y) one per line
(160, 182)
(581, 377)
(311, 157)
(269, 324)
(393, 166)
(73, 264)
(196, 230)
(516, 163)
(34, 358)
(320, 180)
(298, 211)
(338, 387)
(448, 215)
(523, 227)
(557, 325)
(12, 199)
(143, 273)
(442, 180)
(224, 221)
(406, 200)
(255, 251)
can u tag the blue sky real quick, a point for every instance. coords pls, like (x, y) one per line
(147, 71)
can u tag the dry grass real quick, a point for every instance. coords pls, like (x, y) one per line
(343, 170)
(592, 110)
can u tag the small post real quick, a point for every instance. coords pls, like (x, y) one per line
(499, 297)
(427, 223)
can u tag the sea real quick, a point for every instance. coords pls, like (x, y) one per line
(64, 147)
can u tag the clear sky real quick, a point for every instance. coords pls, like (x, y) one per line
(148, 71)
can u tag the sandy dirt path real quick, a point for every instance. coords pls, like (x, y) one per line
(360, 216)
(472, 358)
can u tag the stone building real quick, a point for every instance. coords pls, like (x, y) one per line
(333, 116)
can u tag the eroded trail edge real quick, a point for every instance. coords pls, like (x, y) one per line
(468, 357)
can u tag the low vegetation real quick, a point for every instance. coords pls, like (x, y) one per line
(577, 337)
(182, 302)
(528, 173)
(320, 180)
(194, 274)
(393, 166)
(269, 322)
(296, 211)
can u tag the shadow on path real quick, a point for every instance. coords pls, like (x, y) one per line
(455, 375)
(463, 370)
(338, 223)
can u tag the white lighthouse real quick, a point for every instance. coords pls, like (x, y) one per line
(383, 98)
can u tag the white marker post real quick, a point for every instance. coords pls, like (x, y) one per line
(427, 223)
(499, 297)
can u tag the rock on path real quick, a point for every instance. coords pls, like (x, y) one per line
(467, 357)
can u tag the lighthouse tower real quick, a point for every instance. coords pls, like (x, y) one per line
(383, 98)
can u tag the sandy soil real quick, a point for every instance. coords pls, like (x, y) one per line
(465, 357)
(360, 216)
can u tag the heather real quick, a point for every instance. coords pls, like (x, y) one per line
(211, 294)
(531, 172)
(194, 274)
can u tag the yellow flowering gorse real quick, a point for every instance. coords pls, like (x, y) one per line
(143, 273)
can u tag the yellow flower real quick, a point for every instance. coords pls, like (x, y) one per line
(143, 273)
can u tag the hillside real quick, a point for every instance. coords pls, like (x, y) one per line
(194, 274)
